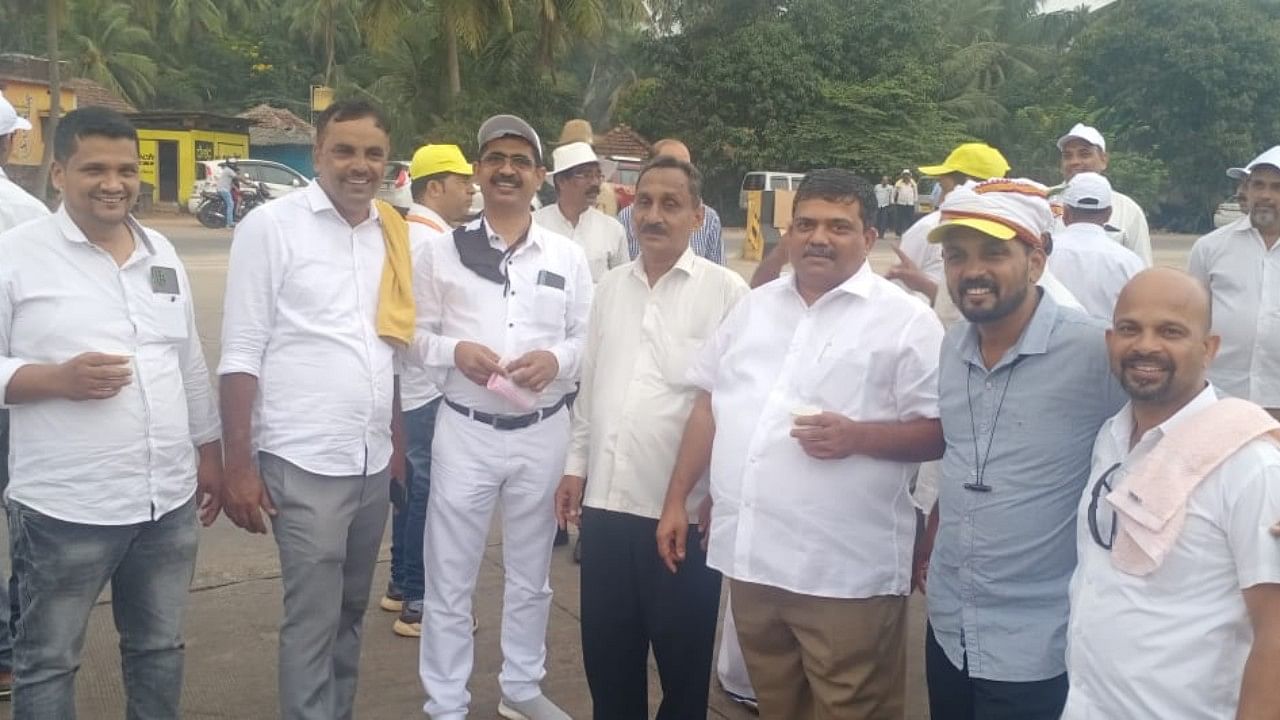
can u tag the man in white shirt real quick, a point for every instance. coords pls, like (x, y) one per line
(884, 205)
(1092, 266)
(115, 428)
(905, 195)
(649, 318)
(307, 398)
(16, 207)
(502, 322)
(577, 175)
(818, 397)
(225, 181)
(1083, 149)
(440, 183)
(1240, 263)
(1197, 637)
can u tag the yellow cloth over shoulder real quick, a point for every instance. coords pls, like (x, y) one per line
(396, 312)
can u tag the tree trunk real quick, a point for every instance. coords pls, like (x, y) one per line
(329, 43)
(55, 103)
(455, 67)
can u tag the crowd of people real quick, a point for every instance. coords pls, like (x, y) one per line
(1074, 455)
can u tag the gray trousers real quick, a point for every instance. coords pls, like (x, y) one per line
(328, 530)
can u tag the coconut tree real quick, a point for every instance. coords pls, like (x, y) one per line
(104, 44)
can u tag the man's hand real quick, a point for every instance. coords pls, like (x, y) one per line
(673, 533)
(926, 534)
(243, 495)
(910, 274)
(1275, 530)
(94, 376)
(827, 436)
(477, 362)
(704, 521)
(209, 482)
(534, 370)
(569, 501)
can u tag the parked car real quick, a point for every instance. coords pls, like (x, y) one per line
(624, 178)
(924, 196)
(767, 180)
(278, 179)
(395, 185)
(1227, 213)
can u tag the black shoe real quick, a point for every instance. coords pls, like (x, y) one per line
(393, 600)
(562, 538)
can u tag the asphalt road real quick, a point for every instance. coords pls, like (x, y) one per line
(235, 604)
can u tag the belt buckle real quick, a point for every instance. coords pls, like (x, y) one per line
(507, 422)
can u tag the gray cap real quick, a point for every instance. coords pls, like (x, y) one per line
(500, 126)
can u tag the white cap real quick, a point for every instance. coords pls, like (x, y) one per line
(500, 126)
(1087, 191)
(10, 120)
(1237, 173)
(572, 155)
(1085, 133)
(1270, 157)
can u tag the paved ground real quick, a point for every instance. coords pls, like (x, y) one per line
(235, 601)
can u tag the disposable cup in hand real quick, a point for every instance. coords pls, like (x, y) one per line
(804, 411)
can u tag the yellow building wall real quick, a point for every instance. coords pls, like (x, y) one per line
(193, 146)
(31, 100)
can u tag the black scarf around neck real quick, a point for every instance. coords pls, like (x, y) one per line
(479, 256)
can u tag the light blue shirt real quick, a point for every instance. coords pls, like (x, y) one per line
(707, 241)
(1003, 559)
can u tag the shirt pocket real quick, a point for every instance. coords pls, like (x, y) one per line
(167, 318)
(549, 305)
(676, 354)
(837, 380)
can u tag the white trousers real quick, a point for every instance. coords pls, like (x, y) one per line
(473, 467)
(731, 668)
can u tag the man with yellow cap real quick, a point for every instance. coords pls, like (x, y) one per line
(1024, 384)
(442, 190)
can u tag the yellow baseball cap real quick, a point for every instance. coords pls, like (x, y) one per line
(977, 160)
(435, 159)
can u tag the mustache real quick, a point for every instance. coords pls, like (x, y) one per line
(653, 229)
(820, 251)
(511, 179)
(1160, 361)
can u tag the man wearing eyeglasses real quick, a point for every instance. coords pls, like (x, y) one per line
(578, 175)
(1023, 387)
(1170, 621)
(503, 323)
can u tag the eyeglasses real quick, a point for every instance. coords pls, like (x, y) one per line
(497, 161)
(586, 174)
(1095, 503)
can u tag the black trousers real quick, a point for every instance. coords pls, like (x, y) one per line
(953, 695)
(906, 216)
(630, 601)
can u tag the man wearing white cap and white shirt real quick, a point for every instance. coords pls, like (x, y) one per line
(1083, 149)
(578, 175)
(1092, 266)
(502, 321)
(1240, 263)
(16, 205)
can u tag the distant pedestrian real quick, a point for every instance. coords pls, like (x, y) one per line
(884, 205)
(905, 195)
(1083, 149)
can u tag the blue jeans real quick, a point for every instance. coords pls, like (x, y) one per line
(228, 201)
(62, 568)
(6, 637)
(408, 527)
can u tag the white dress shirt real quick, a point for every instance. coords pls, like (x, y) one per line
(16, 206)
(1243, 276)
(1093, 267)
(635, 399)
(416, 385)
(300, 315)
(831, 528)
(1128, 216)
(601, 237)
(928, 257)
(456, 305)
(130, 458)
(1172, 644)
(884, 195)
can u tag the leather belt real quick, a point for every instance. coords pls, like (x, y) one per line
(507, 422)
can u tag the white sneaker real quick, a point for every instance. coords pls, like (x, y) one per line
(536, 708)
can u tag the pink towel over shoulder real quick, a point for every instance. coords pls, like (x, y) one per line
(1151, 507)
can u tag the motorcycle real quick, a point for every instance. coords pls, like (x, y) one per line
(212, 212)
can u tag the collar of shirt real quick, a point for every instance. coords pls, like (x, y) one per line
(1122, 427)
(423, 211)
(319, 201)
(860, 284)
(1082, 232)
(71, 232)
(532, 236)
(684, 264)
(1034, 340)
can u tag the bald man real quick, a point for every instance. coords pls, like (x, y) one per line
(1193, 632)
(706, 241)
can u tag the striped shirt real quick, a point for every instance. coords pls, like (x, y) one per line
(706, 241)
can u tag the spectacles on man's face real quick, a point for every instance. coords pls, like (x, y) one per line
(1097, 527)
(587, 174)
(497, 161)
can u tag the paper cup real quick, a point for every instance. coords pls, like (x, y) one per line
(803, 411)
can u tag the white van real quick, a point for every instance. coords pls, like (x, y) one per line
(767, 180)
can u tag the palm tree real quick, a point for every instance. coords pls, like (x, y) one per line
(321, 22)
(382, 21)
(469, 24)
(106, 46)
(180, 20)
(55, 16)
